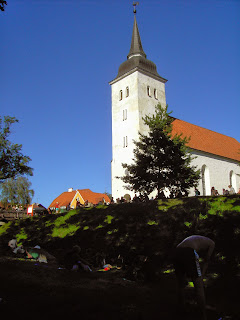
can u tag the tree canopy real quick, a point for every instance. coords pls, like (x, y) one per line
(16, 191)
(2, 4)
(161, 161)
(12, 161)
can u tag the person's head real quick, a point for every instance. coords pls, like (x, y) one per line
(12, 243)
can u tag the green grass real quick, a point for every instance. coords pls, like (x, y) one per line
(149, 229)
(62, 232)
(109, 219)
(151, 223)
(61, 220)
(4, 228)
(219, 205)
(165, 205)
(22, 235)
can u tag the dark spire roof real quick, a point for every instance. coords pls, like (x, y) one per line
(136, 44)
(136, 59)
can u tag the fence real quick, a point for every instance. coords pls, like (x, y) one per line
(13, 215)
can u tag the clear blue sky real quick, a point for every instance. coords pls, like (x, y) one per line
(57, 58)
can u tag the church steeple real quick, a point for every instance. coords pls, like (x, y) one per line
(137, 58)
(136, 44)
(136, 91)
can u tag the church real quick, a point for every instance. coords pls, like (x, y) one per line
(136, 90)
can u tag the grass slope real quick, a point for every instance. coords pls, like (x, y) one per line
(132, 230)
(149, 229)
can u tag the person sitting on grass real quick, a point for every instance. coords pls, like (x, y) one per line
(185, 259)
(74, 262)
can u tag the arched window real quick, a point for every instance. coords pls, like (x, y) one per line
(233, 180)
(125, 142)
(148, 91)
(124, 114)
(127, 92)
(206, 187)
(155, 94)
(120, 95)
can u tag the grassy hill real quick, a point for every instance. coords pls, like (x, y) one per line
(148, 229)
(134, 231)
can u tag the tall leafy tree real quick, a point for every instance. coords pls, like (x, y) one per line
(161, 160)
(12, 161)
(16, 191)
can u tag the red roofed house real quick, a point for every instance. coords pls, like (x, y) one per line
(84, 196)
(136, 90)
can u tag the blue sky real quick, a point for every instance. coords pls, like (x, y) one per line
(57, 58)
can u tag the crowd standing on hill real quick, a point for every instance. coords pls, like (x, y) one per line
(145, 198)
(225, 192)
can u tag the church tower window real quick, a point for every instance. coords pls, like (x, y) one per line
(127, 92)
(148, 91)
(120, 95)
(155, 94)
(125, 142)
(124, 114)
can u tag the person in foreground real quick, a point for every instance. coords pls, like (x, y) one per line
(186, 263)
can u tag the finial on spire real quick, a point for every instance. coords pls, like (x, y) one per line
(134, 5)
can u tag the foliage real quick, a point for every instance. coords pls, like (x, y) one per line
(16, 191)
(2, 4)
(160, 160)
(12, 161)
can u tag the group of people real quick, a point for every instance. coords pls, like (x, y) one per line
(136, 199)
(36, 253)
(225, 192)
(145, 198)
(185, 259)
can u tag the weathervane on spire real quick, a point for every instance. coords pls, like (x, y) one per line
(134, 5)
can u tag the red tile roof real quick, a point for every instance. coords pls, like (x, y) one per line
(87, 195)
(208, 141)
(63, 200)
(93, 197)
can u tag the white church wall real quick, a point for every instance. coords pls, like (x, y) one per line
(130, 102)
(222, 172)
(125, 127)
(150, 92)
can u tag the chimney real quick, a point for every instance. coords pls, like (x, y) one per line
(70, 190)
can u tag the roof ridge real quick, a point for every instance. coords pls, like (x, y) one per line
(205, 128)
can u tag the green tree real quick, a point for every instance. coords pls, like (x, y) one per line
(2, 4)
(16, 191)
(8, 192)
(12, 161)
(161, 160)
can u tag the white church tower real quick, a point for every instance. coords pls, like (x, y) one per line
(136, 90)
